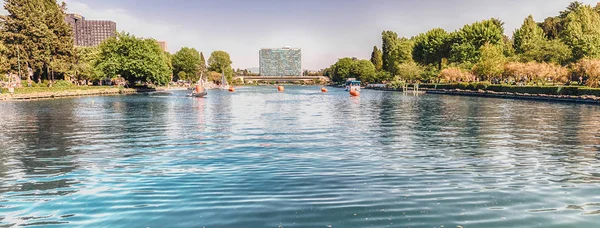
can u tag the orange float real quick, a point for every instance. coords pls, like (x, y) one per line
(324, 90)
(354, 93)
(280, 88)
(198, 88)
(231, 89)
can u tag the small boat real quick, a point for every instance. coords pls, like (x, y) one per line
(224, 83)
(352, 84)
(199, 90)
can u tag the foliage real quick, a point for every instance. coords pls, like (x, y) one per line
(395, 51)
(135, 59)
(455, 74)
(589, 70)
(466, 42)
(582, 32)
(552, 51)
(363, 70)
(4, 65)
(341, 69)
(219, 61)
(491, 63)
(536, 72)
(410, 71)
(431, 47)
(85, 60)
(187, 60)
(377, 58)
(530, 34)
(36, 32)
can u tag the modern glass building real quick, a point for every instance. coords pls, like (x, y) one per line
(284, 61)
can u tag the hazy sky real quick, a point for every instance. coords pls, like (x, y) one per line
(325, 29)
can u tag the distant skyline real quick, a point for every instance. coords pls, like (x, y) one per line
(324, 30)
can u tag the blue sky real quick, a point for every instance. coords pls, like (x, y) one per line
(326, 30)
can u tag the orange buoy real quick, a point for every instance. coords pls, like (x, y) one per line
(198, 88)
(231, 89)
(354, 93)
(280, 88)
(324, 90)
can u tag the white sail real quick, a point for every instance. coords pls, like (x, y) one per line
(224, 84)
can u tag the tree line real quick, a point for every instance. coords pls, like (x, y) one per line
(563, 49)
(37, 43)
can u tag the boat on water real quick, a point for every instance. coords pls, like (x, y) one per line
(199, 90)
(352, 84)
(224, 83)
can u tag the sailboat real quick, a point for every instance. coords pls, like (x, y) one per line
(199, 90)
(224, 84)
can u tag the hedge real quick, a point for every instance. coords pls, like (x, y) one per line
(550, 90)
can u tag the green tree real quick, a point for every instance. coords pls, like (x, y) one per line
(467, 41)
(491, 63)
(134, 59)
(363, 70)
(342, 69)
(187, 60)
(582, 32)
(4, 64)
(431, 47)
(85, 60)
(410, 71)
(389, 44)
(552, 51)
(37, 32)
(219, 61)
(377, 58)
(529, 35)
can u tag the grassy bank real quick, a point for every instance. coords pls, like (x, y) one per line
(31, 90)
(542, 90)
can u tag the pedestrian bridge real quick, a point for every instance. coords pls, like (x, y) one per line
(251, 79)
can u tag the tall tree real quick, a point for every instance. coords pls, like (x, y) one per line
(467, 41)
(85, 60)
(582, 32)
(431, 47)
(529, 35)
(35, 30)
(4, 64)
(134, 59)
(341, 70)
(389, 44)
(219, 61)
(187, 60)
(377, 58)
(363, 70)
(491, 63)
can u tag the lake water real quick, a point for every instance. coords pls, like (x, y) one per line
(258, 158)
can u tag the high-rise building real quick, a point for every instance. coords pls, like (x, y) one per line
(284, 61)
(163, 45)
(87, 33)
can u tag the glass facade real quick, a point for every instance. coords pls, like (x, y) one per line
(280, 61)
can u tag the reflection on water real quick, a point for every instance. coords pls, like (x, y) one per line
(258, 158)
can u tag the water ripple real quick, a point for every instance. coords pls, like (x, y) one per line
(257, 158)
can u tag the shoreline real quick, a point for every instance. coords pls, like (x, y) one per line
(505, 95)
(72, 93)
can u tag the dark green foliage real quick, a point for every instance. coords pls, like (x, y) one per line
(377, 58)
(135, 59)
(467, 41)
(187, 60)
(432, 47)
(36, 31)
